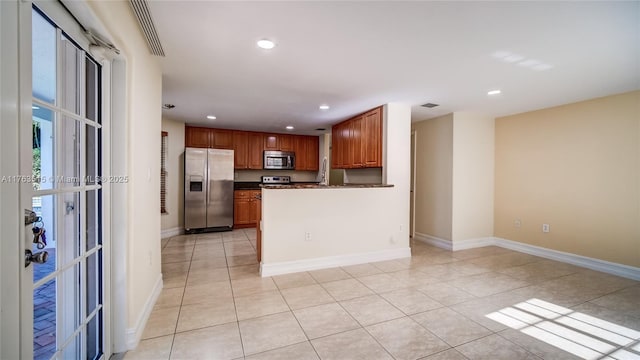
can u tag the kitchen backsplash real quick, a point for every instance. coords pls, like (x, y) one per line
(254, 175)
(363, 176)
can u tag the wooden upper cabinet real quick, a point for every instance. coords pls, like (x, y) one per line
(357, 142)
(221, 139)
(347, 153)
(271, 142)
(196, 137)
(241, 150)
(255, 150)
(249, 146)
(372, 133)
(306, 150)
(300, 149)
(313, 152)
(286, 142)
(334, 147)
(279, 142)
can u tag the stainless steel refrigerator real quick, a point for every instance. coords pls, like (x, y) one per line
(208, 193)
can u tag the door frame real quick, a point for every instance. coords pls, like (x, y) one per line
(15, 96)
(412, 189)
(16, 286)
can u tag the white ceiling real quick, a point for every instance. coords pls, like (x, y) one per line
(355, 55)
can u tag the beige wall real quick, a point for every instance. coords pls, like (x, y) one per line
(434, 172)
(577, 168)
(473, 176)
(143, 127)
(175, 180)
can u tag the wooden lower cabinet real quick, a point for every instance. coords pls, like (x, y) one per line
(245, 208)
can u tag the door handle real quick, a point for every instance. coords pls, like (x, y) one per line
(69, 207)
(38, 258)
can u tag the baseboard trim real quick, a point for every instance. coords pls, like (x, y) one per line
(608, 267)
(171, 232)
(135, 334)
(287, 267)
(473, 243)
(434, 241)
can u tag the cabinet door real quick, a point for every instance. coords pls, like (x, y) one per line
(336, 156)
(241, 150)
(356, 141)
(286, 142)
(222, 139)
(241, 210)
(271, 142)
(196, 137)
(372, 145)
(255, 150)
(347, 153)
(253, 209)
(312, 153)
(300, 149)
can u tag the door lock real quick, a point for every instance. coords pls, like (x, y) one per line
(38, 258)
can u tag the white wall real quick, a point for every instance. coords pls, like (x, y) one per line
(340, 221)
(396, 161)
(143, 126)
(174, 220)
(473, 176)
(344, 221)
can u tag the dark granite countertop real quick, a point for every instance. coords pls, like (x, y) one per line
(246, 185)
(317, 186)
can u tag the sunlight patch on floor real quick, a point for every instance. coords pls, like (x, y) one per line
(582, 335)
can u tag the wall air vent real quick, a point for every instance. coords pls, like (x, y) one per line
(141, 10)
(429, 105)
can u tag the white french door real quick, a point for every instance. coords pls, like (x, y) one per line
(54, 168)
(68, 314)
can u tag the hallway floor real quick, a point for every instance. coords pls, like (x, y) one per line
(484, 303)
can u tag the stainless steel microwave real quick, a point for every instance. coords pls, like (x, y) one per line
(279, 160)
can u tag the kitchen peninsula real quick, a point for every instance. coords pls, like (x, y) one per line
(307, 226)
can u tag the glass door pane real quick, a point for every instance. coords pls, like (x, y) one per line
(68, 289)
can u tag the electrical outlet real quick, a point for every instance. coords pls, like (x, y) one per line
(545, 228)
(307, 236)
(517, 223)
(392, 240)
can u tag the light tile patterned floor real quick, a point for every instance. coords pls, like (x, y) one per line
(214, 305)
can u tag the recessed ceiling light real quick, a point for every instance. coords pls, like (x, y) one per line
(289, 127)
(324, 107)
(494, 92)
(211, 117)
(266, 44)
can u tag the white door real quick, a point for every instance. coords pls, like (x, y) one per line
(59, 307)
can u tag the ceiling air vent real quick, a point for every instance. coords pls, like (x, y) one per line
(429, 105)
(141, 10)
